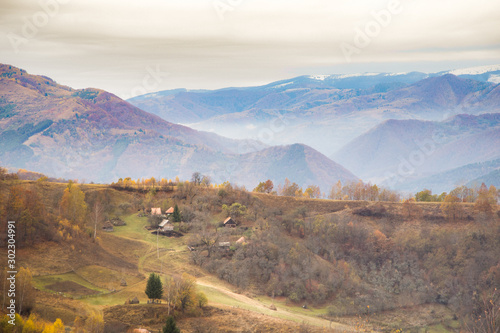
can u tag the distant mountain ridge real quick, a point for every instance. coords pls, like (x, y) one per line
(93, 135)
(421, 152)
(327, 111)
(471, 175)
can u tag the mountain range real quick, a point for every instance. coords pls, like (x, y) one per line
(407, 131)
(368, 122)
(94, 135)
(414, 150)
(327, 111)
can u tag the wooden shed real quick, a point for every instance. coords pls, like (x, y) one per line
(108, 226)
(165, 225)
(229, 223)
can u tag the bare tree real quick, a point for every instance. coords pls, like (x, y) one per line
(96, 215)
(196, 178)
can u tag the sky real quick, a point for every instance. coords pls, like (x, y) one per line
(135, 47)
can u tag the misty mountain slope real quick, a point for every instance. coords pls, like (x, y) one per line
(478, 147)
(470, 175)
(487, 101)
(381, 148)
(423, 147)
(93, 135)
(308, 165)
(188, 107)
(492, 178)
(442, 92)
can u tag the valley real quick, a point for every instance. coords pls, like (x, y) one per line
(76, 276)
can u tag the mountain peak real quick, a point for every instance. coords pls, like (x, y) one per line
(475, 70)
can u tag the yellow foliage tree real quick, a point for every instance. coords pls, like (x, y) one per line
(180, 293)
(73, 206)
(94, 322)
(26, 295)
(33, 324)
(187, 292)
(56, 327)
(312, 191)
(7, 327)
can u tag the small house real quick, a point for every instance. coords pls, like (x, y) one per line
(224, 244)
(170, 211)
(241, 240)
(165, 225)
(229, 223)
(108, 226)
(135, 300)
(155, 211)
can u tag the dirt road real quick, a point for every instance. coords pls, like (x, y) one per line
(281, 313)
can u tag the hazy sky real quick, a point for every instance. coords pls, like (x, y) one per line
(116, 44)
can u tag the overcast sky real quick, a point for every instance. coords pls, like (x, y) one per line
(116, 44)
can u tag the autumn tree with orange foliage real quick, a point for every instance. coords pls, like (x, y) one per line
(410, 208)
(290, 189)
(486, 199)
(451, 207)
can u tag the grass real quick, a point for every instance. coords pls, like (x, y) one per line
(170, 250)
(447, 326)
(216, 296)
(310, 311)
(105, 277)
(119, 297)
(41, 282)
(135, 230)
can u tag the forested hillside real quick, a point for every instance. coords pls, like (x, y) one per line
(344, 258)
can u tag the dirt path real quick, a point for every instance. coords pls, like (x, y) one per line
(312, 320)
(258, 306)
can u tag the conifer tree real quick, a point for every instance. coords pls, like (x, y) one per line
(170, 326)
(177, 214)
(154, 287)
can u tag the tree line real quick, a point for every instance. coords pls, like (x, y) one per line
(353, 190)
